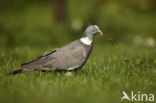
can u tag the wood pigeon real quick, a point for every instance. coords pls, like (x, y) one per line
(69, 57)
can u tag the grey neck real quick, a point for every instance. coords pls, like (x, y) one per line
(89, 36)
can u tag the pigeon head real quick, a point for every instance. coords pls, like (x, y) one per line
(93, 29)
(89, 34)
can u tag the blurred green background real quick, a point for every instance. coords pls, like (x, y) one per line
(30, 28)
(40, 23)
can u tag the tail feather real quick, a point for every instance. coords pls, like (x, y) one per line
(15, 72)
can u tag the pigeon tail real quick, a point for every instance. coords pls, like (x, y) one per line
(15, 72)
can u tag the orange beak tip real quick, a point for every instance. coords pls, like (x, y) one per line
(101, 33)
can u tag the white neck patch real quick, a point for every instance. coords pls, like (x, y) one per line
(85, 40)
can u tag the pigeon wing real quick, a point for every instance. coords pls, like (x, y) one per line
(69, 57)
(41, 62)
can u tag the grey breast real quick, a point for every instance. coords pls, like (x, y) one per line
(72, 55)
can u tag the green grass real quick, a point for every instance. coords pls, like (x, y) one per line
(28, 29)
(101, 80)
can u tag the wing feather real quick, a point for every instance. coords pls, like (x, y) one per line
(40, 61)
(70, 56)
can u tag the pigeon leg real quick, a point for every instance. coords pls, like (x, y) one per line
(76, 72)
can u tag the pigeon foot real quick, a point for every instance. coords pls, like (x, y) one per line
(69, 74)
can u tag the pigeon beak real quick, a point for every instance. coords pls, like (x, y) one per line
(100, 32)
